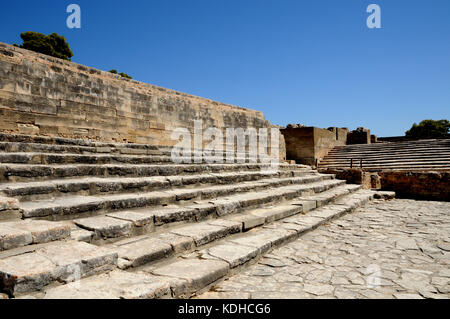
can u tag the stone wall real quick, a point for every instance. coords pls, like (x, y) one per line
(406, 184)
(305, 145)
(359, 136)
(43, 95)
(418, 185)
(368, 180)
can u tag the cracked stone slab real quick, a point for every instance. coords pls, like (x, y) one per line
(307, 205)
(263, 239)
(41, 231)
(407, 243)
(106, 227)
(138, 219)
(114, 285)
(179, 243)
(12, 238)
(318, 289)
(276, 213)
(233, 254)
(59, 261)
(339, 259)
(202, 233)
(7, 203)
(82, 235)
(198, 273)
(67, 205)
(143, 251)
(226, 206)
(169, 214)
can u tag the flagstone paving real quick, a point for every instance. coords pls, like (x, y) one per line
(394, 249)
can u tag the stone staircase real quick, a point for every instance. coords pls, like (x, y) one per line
(82, 219)
(423, 155)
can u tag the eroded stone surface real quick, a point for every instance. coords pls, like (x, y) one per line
(61, 261)
(105, 226)
(115, 285)
(395, 249)
(198, 273)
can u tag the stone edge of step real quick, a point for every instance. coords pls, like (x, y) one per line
(183, 285)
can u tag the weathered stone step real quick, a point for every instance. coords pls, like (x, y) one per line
(44, 140)
(385, 148)
(137, 251)
(141, 221)
(28, 232)
(399, 144)
(393, 167)
(47, 158)
(407, 156)
(69, 206)
(24, 172)
(15, 147)
(392, 163)
(114, 185)
(186, 274)
(51, 263)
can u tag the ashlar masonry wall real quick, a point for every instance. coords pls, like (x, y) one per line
(43, 95)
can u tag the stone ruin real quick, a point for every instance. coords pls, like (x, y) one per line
(92, 205)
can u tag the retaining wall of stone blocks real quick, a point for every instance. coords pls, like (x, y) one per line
(42, 95)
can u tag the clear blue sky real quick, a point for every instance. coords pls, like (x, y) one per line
(313, 62)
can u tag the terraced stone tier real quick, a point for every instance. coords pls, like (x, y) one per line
(411, 155)
(75, 205)
(131, 252)
(27, 232)
(26, 173)
(60, 261)
(131, 224)
(191, 272)
(137, 251)
(115, 185)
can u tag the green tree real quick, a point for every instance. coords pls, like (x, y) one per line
(54, 44)
(124, 75)
(430, 129)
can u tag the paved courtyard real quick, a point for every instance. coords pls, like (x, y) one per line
(394, 249)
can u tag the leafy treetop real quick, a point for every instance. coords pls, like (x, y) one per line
(430, 129)
(54, 44)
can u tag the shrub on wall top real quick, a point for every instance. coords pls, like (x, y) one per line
(53, 45)
(430, 129)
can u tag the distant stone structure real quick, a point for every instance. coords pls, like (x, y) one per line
(359, 136)
(307, 145)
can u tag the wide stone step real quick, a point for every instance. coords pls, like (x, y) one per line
(418, 143)
(114, 185)
(390, 163)
(186, 274)
(384, 149)
(387, 151)
(46, 158)
(27, 232)
(140, 250)
(15, 147)
(390, 166)
(390, 157)
(25, 173)
(50, 263)
(69, 206)
(141, 221)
